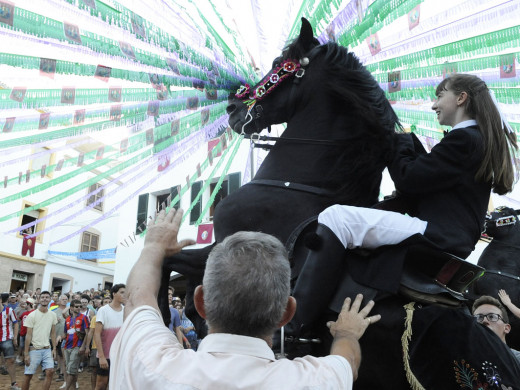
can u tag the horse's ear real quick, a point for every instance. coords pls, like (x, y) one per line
(306, 38)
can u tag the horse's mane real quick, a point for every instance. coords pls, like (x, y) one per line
(355, 89)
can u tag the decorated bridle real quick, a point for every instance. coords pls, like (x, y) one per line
(288, 68)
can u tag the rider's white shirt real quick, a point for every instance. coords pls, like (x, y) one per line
(146, 355)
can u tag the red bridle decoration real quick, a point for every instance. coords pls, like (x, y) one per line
(269, 83)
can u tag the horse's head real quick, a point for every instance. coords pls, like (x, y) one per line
(251, 109)
(501, 221)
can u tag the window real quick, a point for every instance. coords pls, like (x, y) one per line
(197, 208)
(44, 158)
(89, 243)
(228, 187)
(31, 216)
(174, 191)
(142, 213)
(93, 198)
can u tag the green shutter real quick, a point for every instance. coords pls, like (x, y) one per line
(142, 212)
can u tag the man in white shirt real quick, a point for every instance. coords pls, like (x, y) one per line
(244, 299)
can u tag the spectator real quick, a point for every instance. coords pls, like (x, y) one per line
(22, 307)
(175, 320)
(489, 312)
(98, 300)
(13, 301)
(86, 309)
(109, 320)
(91, 352)
(29, 306)
(41, 328)
(506, 300)
(62, 312)
(8, 338)
(244, 299)
(106, 301)
(54, 298)
(189, 330)
(76, 327)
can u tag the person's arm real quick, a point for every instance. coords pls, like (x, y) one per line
(88, 339)
(349, 328)
(178, 332)
(145, 277)
(53, 338)
(99, 345)
(506, 300)
(16, 328)
(28, 340)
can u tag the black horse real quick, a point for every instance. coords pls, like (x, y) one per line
(501, 259)
(337, 141)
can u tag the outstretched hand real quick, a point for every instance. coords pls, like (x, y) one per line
(351, 320)
(504, 297)
(163, 230)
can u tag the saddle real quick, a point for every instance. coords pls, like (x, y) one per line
(428, 276)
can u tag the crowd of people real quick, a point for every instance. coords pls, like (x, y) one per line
(65, 334)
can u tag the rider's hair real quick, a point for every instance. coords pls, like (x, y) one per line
(246, 284)
(489, 300)
(498, 163)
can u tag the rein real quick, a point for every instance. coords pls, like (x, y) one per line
(256, 139)
(292, 186)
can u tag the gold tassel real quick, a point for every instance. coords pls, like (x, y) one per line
(407, 335)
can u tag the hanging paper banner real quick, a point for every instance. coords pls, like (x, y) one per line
(115, 112)
(79, 117)
(68, 95)
(127, 49)
(164, 162)
(192, 103)
(90, 3)
(172, 64)
(59, 165)
(47, 67)
(413, 17)
(204, 116)
(100, 152)
(212, 143)
(149, 137)
(153, 108)
(394, 81)
(137, 25)
(331, 34)
(188, 184)
(9, 124)
(199, 171)
(81, 158)
(114, 94)
(103, 73)
(205, 233)
(27, 176)
(44, 120)
(93, 255)
(507, 66)
(198, 84)
(28, 245)
(5, 181)
(210, 157)
(18, 94)
(123, 145)
(162, 93)
(154, 80)
(7, 14)
(211, 93)
(175, 127)
(374, 44)
(42, 172)
(449, 69)
(71, 32)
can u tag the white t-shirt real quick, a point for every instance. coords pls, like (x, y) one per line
(112, 321)
(146, 355)
(41, 324)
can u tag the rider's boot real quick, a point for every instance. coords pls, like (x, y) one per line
(318, 280)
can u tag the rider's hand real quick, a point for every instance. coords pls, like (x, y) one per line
(351, 320)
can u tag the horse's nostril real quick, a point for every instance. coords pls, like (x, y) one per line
(230, 108)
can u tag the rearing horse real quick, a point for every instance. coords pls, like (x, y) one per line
(339, 125)
(337, 141)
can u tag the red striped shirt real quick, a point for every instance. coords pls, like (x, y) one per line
(6, 324)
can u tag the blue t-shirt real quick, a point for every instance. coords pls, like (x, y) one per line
(175, 320)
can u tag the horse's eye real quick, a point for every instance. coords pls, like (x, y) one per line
(277, 61)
